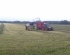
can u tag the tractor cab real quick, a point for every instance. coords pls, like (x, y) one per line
(46, 26)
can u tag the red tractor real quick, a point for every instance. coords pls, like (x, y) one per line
(38, 25)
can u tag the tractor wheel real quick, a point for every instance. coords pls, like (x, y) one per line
(51, 29)
(26, 28)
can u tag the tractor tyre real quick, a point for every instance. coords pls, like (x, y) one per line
(51, 29)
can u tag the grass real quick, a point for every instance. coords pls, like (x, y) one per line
(15, 40)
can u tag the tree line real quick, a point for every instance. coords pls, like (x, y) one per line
(51, 22)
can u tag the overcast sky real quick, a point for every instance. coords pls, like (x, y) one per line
(30, 9)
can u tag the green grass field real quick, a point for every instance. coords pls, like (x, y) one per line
(15, 40)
